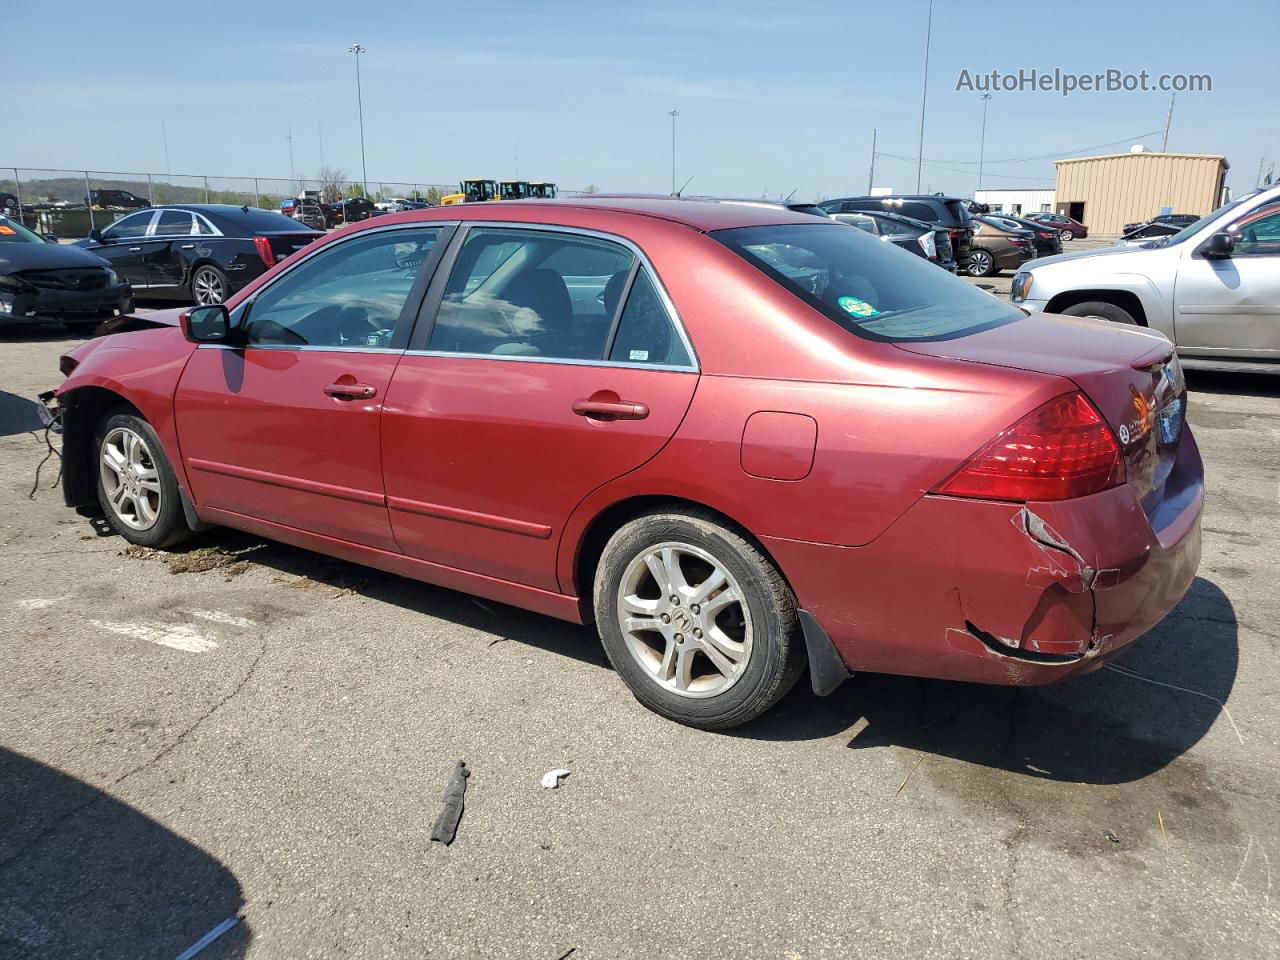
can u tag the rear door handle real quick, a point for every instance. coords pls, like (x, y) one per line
(188, 246)
(351, 391)
(611, 409)
(134, 249)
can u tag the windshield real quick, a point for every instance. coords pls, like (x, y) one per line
(870, 288)
(1191, 228)
(11, 232)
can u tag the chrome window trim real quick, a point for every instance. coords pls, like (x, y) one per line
(388, 351)
(670, 368)
(672, 314)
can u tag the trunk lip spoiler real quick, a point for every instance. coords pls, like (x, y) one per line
(1154, 357)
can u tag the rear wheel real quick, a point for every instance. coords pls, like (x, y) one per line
(137, 488)
(697, 622)
(980, 263)
(208, 285)
(1100, 308)
(1067, 235)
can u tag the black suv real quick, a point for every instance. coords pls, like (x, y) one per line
(115, 198)
(950, 213)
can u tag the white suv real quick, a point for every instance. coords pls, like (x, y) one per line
(1213, 288)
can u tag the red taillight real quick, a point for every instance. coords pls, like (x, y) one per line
(264, 250)
(1063, 449)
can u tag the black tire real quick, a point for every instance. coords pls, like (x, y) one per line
(170, 525)
(209, 285)
(82, 328)
(981, 263)
(776, 657)
(1100, 308)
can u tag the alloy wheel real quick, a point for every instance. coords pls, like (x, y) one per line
(979, 263)
(1066, 235)
(130, 478)
(207, 287)
(685, 620)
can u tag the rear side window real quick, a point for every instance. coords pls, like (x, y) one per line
(860, 220)
(173, 223)
(917, 210)
(528, 293)
(870, 288)
(645, 332)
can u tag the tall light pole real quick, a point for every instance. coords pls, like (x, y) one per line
(673, 114)
(924, 94)
(982, 141)
(364, 170)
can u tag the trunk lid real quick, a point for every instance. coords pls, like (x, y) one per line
(286, 244)
(1130, 374)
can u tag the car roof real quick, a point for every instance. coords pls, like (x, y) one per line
(699, 214)
(942, 197)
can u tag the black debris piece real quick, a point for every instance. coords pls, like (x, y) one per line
(447, 823)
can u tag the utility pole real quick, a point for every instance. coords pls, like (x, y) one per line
(164, 135)
(292, 172)
(871, 174)
(320, 135)
(924, 94)
(673, 114)
(982, 141)
(1164, 146)
(364, 170)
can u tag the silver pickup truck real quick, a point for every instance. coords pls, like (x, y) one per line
(1213, 288)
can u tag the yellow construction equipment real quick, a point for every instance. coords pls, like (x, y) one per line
(513, 189)
(472, 191)
(541, 190)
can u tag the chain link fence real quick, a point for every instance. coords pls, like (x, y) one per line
(71, 203)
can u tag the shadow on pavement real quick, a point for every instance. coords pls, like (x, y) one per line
(1235, 384)
(19, 414)
(83, 875)
(1103, 728)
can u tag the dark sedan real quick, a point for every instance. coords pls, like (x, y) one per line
(198, 252)
(41, 280)
(914, 236)
(1047, 241)
(1177, 220)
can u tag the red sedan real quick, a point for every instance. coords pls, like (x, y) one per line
(738, 438)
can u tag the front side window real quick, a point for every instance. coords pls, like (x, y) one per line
(173, 223)
(351, 295)
(870, 288)
(131, 227)
(1257, 233)
(533, 294)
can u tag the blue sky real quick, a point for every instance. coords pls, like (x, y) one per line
(773, 96)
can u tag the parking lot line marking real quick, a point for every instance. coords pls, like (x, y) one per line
(1243, 862)
(37, 603)
(226, 619)
(1174, 686)
(208, 938)
(175, 636)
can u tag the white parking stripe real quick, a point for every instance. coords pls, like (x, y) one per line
(226, 619)
(175, 636)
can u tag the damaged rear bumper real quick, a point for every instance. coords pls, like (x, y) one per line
(1004, 593)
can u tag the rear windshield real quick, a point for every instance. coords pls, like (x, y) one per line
(267, 221)
(870, 288)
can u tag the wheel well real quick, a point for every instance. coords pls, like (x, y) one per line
(1121, 298)
(614, 517)
(82, 408)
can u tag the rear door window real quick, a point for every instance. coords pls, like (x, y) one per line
(918, 210)
(173, 223)
(866, 286)
(646, 333)
(530, 293)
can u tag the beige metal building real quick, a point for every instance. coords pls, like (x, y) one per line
(1105, 193)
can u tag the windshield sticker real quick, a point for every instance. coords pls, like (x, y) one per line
(859, 308)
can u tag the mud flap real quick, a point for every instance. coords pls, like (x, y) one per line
(826, 668)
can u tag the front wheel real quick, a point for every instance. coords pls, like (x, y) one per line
(696, 620)
(209, 285)
(1100, 308)
(137, 488)
(1067, 235)
(980, 264)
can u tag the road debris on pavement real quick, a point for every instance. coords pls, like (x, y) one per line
(551, 779)
(446, 825)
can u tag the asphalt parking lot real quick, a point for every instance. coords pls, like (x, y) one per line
(241, 729)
